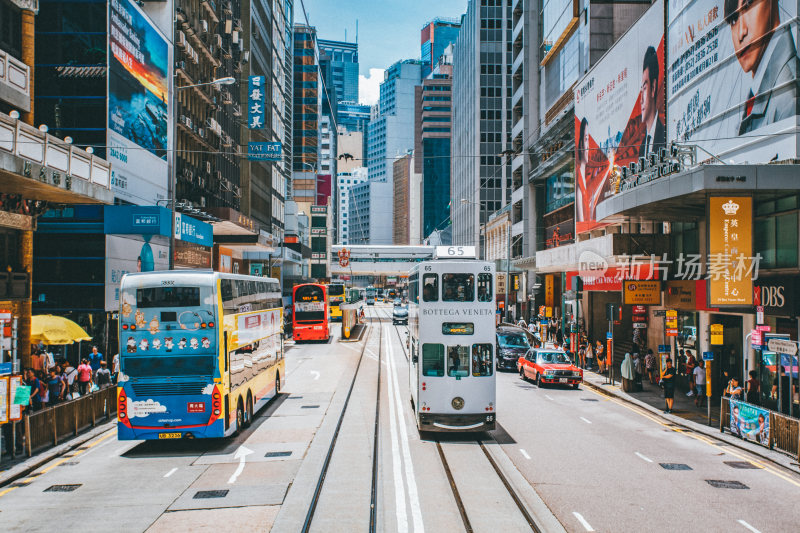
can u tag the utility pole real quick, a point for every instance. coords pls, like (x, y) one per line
(508, 268)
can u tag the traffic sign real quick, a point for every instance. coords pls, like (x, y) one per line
(782, 346)
(609, 335)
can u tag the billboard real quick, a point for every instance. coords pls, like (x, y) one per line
(731, 267)
(732, 77)
(619, 112)
(132, 253)
(138, 136)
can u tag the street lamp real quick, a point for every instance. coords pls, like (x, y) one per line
(174, 174)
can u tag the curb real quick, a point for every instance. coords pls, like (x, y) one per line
(32, 463)
(787, 462)
(360, 335)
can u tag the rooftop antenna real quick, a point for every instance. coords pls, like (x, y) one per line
(356, 31)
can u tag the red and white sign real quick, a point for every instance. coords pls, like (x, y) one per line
(611, 278)
(639, 309)
(5, 314)
(252, 321)
(196, 407)
(344, 257)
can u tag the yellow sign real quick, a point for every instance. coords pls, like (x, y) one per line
(548, 312)
(708, 379)
(641, 292)
(716, 334)
(730, 251)
(672, 318)
(500, 281)
(549, 290)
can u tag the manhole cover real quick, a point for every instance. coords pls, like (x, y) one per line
(675, 466)
(278, 454)
(589, 400)
(69, 463)
(743, 465)
(204, 494)
(62, 488)
(719, 484)
(309, 406)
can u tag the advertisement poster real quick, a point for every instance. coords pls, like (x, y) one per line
(732, 77)
(139, 61)
(132, 253)
(619, 112)
(730, 249)
(749, 422)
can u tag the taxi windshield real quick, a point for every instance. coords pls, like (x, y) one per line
(553, 358)
(513, 340)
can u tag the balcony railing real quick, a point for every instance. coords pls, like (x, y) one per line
(15, 77)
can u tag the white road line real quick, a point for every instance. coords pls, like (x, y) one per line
(171, 472)
(549, 398)
(583, 521)
(241, 453)
(748, 526)
(90, 450)
(587, 421)
(524, 453)
(411, 480)
(643, 457)
(315, 374)
(397, 475)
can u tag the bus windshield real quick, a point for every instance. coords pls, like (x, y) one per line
(168, 297)
(309, 304)
(336, 289)
(169, 366)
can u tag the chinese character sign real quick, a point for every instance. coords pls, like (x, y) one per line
(256, 97)
(731, 268)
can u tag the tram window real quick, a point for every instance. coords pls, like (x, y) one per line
(458, 361)
(433, 360)
(485, 287)
(458, 287)
(482, 360)
(430, 287)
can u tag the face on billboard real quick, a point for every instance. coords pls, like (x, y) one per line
(751, 23)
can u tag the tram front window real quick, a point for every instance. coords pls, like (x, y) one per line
(430, 287)
(458, 361)
(482, 360)
(485, 287)
(433, 360)
(458, 287)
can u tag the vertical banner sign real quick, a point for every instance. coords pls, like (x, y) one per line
(672, 323)
(4, 400)
(255, 102)
(717, 336)
(139, 70)
(14, 409)
(731, 266)
(549, 290)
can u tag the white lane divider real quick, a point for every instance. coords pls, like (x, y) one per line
(524, 454)
(583, 521)
(585, 420)
(397, 475)
(315, 374)
(748, 526)
(241, 453)
(411, 480)
(640, 456)
(548, 397)
(171, 472)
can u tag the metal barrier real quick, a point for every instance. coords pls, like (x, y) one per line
(350, 317)
(784, 431)
(53, 424)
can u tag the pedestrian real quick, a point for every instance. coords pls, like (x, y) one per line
(33, 382)
(690, 364)
(726, 379)
(115, 369)
(55, 386)
(84, 377)
(601, 357)
(102, 377)
(589, 355)
(699, 375)
(94, 359)
(44, 393)
(650, 366)
(681, 362)
(668, 383)
(559, 336)
(637, 367)
(70, 375)
(582, 355)
(753, 389)
(785, 394)
(736, 391)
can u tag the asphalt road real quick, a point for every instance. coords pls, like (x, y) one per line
(577, 461)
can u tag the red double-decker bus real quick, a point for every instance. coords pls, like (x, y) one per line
(310, 316)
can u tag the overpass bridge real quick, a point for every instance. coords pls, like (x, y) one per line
(379, 260)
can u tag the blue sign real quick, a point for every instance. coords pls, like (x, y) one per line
(188, 229)
(136, 220)
(708, 356)
(663, 348)
(145, 220)
(5, 369)
(256, 99)
(261, 151)
(609, 335)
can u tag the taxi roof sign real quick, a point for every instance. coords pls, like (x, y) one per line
(454, 252)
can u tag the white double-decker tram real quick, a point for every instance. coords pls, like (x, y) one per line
(452, 338)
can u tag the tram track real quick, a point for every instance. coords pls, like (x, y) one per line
(375, 457)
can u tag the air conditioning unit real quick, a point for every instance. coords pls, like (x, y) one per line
(217, 40)
(181, 39)
(196, 56)
(228, 26)
(202, 201)
(245, 56)
(204, 26)
(235, 37)
(201, 132)
(181, 65)
(208, 167)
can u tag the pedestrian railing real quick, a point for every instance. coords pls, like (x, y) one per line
(53, 424)
(782, 432)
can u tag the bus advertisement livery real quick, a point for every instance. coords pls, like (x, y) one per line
(335, 298)
(200, 352)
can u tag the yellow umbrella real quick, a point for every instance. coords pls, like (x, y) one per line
(51, 329)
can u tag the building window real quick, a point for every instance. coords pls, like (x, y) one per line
(777, 231)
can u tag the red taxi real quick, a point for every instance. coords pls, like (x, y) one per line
(549, 365)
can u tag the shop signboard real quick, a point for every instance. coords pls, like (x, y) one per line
(264, 151)
(559, 234)
(730, 250)
(138, 132)
(672, 323)
(680, 294)
(639, 309)
(3, 399)
(717, 334)
(749, 422)
(641, 292)
(256, 102)
(614, 124)
(549, 290)
(732, 77)
(777, 295)
(256, 269)
(610, 279)
(191, 255)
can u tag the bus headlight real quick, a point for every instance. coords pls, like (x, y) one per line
(457, 403)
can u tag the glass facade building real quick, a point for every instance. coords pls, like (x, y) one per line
(435, 36)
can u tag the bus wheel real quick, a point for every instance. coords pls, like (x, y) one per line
(249, 412)
(239, 416)
(277, 383)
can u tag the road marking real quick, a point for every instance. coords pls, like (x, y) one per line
(171, 472)
(585, 420)
(583, 521)
(748, 526)
(241, 453)
(315, 374)
(548, 397)
(643, 457)
(411, 480)
(524, 454)
(397, 475)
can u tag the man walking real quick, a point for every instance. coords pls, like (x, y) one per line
(94, 359)
(668, 379)
(699, 382)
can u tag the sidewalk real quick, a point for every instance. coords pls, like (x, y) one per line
(685, 414)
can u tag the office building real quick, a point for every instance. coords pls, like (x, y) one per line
(407, 184)
(308, 94)
(435, 37)
(339, 63)
(344, 181)
(368, 205)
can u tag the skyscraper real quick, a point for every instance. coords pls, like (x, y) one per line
(308, 95)
(481, 176)
(339, 62)
(435, 36)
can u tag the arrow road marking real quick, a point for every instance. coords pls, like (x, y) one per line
(748, 526)
(583, 522)
(240, 454)
(643, 457)
(315, 374)
(585, 420)
(171, 472)
(524, 453)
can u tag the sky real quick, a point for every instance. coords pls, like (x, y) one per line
(388, 30)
